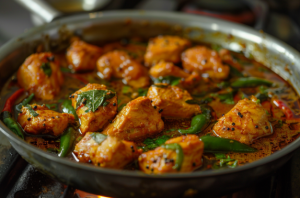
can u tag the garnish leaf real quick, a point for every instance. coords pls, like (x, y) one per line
(47, 69)
(142, 91)
(126, 89)
(171, 80)
(94, 99)
(235, 72)
(98, 137)
(153, 143)
(31, 111)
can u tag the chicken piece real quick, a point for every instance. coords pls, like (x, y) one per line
(246, 121)
(110, 153)
(40, 74)
(135, 51)
(92, 116)
(206, 62)
(161, 160)
(167, 48)
(39, 120)
(118, 64)
(137, 120)
(171, 99)
(169, 69)
(83, 56)
(83, 147)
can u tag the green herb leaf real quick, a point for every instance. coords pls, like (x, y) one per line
(170, 130)
(153, 143)
(171, 80)
(160, 86)
(126, 89)
(52, 106)
(142, 91)
(31, 111)
(47, 69)
(223, 84)
(98, 137)
(226, 98)
(94, 99)
(220, 155)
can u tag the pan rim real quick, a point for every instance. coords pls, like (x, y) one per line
(13, 43)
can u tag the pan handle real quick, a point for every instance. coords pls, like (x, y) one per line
(41, 8)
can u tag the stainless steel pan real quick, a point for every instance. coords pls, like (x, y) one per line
(103, 26)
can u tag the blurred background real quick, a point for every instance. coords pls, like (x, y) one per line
(280, 18)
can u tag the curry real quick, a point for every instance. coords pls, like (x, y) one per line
(162, 105)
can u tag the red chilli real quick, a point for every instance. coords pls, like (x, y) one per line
(284, 107)
(11, 100)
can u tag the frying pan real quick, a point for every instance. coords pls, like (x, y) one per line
(104, 26)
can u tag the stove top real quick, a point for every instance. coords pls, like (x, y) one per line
(18, 179)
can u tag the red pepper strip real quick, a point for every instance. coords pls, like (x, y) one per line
(11, 100)
(284, 107)
(77, 77)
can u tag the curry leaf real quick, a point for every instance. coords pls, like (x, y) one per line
(153, 143)
(94, 99)
(142, 91)
(47, 69)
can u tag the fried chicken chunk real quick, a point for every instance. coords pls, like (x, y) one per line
(110, 153)
(167, 48)
(93, 113)
(163, 69)
(118, 64)
(171, 99)
(162, 160)
(83, 56)
(206, 62)
(40, 74)
(247, 121)
(39, 120)
(137, 120)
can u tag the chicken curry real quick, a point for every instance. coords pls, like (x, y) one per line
(163, 105)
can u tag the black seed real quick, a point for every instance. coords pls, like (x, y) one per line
(266, 127)
(147, 167)
(256, 126)
(232, 129)
(151, 101)
(222, 114)
(84, 102)
(44, 124)
(233, 124)
(241, 116)
(90, 161)
(51, 58)
(194, 164)
(203, 61)
(131, 146)
(98, 164)
(114, 104)
(161, 110)
(154, 107)
(28, 119)
(110, 121)
(228, 129)
(154, 160)
(35, 107)
(133, 150)
(152, 169)
(97, 109)
(53, 117)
